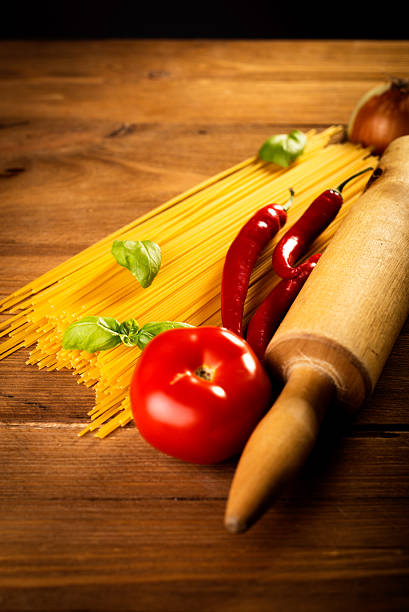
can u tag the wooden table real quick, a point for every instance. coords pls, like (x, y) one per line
(92, 135)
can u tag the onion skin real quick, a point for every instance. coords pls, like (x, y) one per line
(381, 116)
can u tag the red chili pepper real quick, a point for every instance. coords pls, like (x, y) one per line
(309, 226)
(241, 258)
(274, 307)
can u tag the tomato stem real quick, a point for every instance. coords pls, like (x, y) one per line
(205, 372)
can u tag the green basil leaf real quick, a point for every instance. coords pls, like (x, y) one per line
(150, 330)
(92, 334)
(129, 331)
(283, 149)
(142, 258)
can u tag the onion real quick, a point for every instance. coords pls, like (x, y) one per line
(381, 115)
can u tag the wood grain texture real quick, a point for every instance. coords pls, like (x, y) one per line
(348, 317)
(335, 339)
(92, 134)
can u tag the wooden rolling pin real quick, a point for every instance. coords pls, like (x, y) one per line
(335, 339)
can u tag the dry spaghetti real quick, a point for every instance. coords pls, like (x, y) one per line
(194, 231)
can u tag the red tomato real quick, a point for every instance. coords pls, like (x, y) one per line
(197, 393)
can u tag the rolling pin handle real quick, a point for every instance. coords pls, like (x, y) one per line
(279, 445)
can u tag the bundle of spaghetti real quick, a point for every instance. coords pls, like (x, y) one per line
(194, 231)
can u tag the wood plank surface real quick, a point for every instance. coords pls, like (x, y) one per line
(93, 134)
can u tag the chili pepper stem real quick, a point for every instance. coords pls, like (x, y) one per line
(290, 200)
(342, 185)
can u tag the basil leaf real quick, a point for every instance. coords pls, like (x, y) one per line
(92, 334)
(129, 331)
(150, 330)
(101, 333)
(142, 258)
(283, 149)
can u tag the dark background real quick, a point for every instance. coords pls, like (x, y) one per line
(223, 19)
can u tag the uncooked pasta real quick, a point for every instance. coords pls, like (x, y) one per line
(194, 231)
